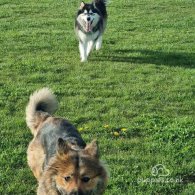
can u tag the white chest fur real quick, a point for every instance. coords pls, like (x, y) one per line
(88, 37)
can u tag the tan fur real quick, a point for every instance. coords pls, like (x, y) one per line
(35, 152)
(62, 166)
(35, 156)
(34, 118)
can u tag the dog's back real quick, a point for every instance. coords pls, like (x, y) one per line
(56, 128)
(46, 128)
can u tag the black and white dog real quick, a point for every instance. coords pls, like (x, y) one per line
(90, 24)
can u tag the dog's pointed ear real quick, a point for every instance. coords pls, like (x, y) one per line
(62, 147)
(82, 5)
(92, 149)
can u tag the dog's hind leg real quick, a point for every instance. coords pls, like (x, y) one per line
(83, 51)
(90, 47)
(98, 43)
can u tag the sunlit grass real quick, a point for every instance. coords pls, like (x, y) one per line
(135, 95)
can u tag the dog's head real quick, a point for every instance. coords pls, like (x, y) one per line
(78, 172)
(88, 16)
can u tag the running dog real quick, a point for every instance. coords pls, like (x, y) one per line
(59, 158)
(90, 25)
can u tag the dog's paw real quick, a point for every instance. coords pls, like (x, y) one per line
(84, 60)
(97, 48)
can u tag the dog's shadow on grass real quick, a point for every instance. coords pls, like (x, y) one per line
(186, 60)
(188, 178)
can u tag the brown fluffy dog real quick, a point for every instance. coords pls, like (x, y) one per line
(57, 155)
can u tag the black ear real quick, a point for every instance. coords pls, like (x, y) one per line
(82, 5)
(62, 147)
(92, 149)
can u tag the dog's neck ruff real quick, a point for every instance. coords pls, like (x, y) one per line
(94, 29)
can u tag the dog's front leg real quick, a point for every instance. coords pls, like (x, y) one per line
(90, 47)
(83, 51)
(99, 43)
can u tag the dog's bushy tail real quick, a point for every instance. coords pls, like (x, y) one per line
(42, 103)
(101, 6)
(105, 2)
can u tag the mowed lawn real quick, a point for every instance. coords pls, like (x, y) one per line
(135, 95)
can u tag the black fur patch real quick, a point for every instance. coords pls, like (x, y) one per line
(100, 8)
(88, 7)
(41, 106)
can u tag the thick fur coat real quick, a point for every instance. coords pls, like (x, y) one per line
(57, 155)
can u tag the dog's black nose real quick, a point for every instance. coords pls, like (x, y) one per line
(77, 193)
(80, 192)
(88, 18)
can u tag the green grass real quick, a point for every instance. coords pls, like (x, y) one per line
(142, 79)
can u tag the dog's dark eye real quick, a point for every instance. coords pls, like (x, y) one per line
(85, 179)
(67, 178)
